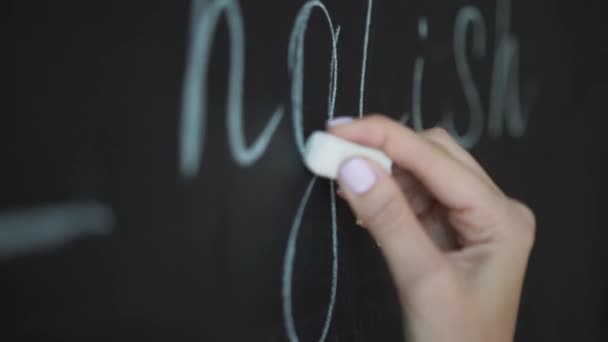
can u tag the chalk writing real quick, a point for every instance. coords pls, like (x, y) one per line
(423, 28)
(288, 263)
(368, 20)
(194, 96)
(423, 32)
(417, 93)
(505, 103)
(468, 15)
(296, 67)
(45, 227)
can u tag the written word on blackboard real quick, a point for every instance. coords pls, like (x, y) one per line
(504, 107)
(53, 225)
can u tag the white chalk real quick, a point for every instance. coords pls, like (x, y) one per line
(324, 153)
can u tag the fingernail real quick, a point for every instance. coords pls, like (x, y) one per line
(357, 175)
(339, 120)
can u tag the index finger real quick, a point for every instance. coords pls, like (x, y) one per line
(451, 183)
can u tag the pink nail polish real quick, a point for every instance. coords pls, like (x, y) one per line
(339, 120)
(357, 175)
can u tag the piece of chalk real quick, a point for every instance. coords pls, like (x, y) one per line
(324, 153)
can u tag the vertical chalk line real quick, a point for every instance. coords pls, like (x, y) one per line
(194, 95)
(503, 18)
(368, 19)
(505, 103)
(417, 93)
(296, 67)
(243, 155)
(333, 71)
(334, 262)
(416, 115)
(288, 263)
(423, 28)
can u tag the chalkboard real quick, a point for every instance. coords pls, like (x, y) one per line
(153, 187)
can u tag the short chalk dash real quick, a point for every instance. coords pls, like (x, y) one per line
(26, 231)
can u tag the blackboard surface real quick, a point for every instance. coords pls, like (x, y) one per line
(131, 210)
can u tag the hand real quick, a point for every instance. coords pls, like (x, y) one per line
(457, 247)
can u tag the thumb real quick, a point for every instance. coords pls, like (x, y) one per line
(376, 199)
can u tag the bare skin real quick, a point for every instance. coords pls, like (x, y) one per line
(456, 245)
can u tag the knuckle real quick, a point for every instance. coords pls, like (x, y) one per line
(378, 120)
(528, 216)
(440, 133)
(526, 222)
(376, 117)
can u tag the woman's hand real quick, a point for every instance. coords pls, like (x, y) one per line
(456, 245)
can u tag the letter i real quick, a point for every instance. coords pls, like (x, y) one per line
(423, 32)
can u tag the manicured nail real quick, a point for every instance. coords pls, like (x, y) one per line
(357, 175)
(339, 120)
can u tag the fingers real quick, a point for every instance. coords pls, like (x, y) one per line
(450, 182)
(446, 178)
(493, 233)
(376, 198)
(418, 198)
(442, 138)
(474, 205)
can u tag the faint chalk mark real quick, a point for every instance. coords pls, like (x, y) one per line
(42, 228)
